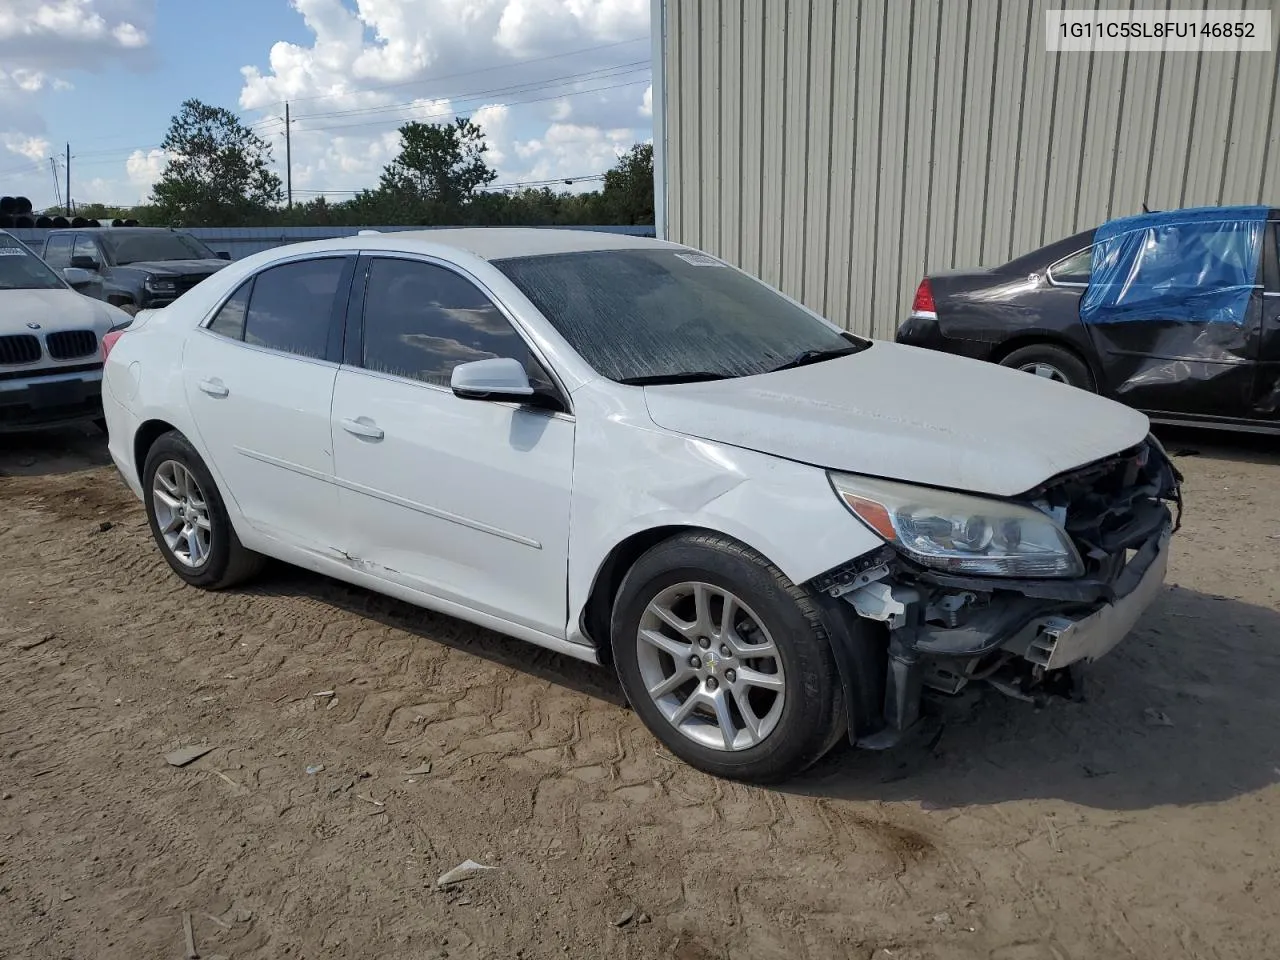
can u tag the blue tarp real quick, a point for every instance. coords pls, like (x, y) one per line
(1199, 264)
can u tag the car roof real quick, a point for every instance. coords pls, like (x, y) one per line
(502, 243)
(113, 230)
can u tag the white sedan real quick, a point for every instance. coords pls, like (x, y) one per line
(630, 452)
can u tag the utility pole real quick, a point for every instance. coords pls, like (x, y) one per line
(69, 213)
(288, 156)
(57, 186)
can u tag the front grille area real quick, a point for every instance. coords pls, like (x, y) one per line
(1116, 503)
(22, 348)
(183, 284)
(70, 344)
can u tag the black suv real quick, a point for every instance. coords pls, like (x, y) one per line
(136, 268)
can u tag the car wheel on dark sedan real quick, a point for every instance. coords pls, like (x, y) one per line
(1051, 362)
(189, 520)
(726, 661)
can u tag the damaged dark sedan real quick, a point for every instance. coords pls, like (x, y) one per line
(1176, 314)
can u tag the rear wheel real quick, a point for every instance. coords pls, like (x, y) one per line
(189, 520)
(726, 660)
(1051, 362)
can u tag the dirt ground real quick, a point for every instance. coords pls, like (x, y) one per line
(1141, 823)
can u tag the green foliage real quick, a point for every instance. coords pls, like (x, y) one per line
(218, 172)
(439, 163)
(628, 187)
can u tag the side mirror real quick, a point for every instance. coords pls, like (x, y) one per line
(84, 263)
(498, 378)
(78, 277)
(224, 255)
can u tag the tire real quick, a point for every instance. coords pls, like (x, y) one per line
(791, 735)
(1068, 367)
(221, 560)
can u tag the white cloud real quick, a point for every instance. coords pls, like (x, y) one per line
(33, 148)
(143, 168)
(646, 102)
(79, 33)
(531, 72)
(39, 41)
(129, 36)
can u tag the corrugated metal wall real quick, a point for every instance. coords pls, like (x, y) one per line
(840, 148)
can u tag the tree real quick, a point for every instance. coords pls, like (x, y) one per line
(628, 187)
(218, 171)
(439, 164)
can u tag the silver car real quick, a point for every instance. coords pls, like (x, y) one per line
(50, 342)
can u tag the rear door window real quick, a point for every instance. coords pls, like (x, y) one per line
(291, 307)
(57, 252)
(229, 321)
(1073, 270)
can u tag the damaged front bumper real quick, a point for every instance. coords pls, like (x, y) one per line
(946, 632)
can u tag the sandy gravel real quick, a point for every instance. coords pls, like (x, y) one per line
(1141, 823)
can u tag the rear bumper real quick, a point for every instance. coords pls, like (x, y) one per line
(48, 399)
(923, 330)
(122, 427)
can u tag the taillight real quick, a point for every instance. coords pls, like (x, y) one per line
(109, 341)
(923, 303)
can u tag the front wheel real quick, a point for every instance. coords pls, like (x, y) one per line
(189, 520)
(726, 660)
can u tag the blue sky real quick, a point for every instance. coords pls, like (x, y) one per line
(560, 86)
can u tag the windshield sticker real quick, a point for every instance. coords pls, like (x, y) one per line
(12, 252)
(699, 260)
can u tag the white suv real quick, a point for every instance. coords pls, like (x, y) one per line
(50, 343)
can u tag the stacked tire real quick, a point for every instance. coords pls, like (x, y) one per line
(16, 213)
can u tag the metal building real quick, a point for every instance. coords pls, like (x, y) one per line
(839, 148)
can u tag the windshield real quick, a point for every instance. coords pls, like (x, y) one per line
(653, 315)
(162, 245)
(20, 269)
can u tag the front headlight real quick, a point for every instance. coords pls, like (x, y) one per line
(959, 533)
(160, 286)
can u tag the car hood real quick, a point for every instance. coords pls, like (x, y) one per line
(52, 310)
(177, 268)
(908, 414)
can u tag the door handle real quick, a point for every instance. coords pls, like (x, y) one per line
(362, 427)
(214, 387)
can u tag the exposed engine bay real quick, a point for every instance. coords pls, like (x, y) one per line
(1023, 636)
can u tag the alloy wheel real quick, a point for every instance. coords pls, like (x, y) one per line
(1047, 370)
(711, 666)
(182, 513)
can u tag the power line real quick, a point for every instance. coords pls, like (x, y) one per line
(109, 156)
(551, 181)
(509, 103)
(350, 93)
(467, 73)
(601, 73)
(29, 168)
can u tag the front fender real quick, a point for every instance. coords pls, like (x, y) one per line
(785, 511)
